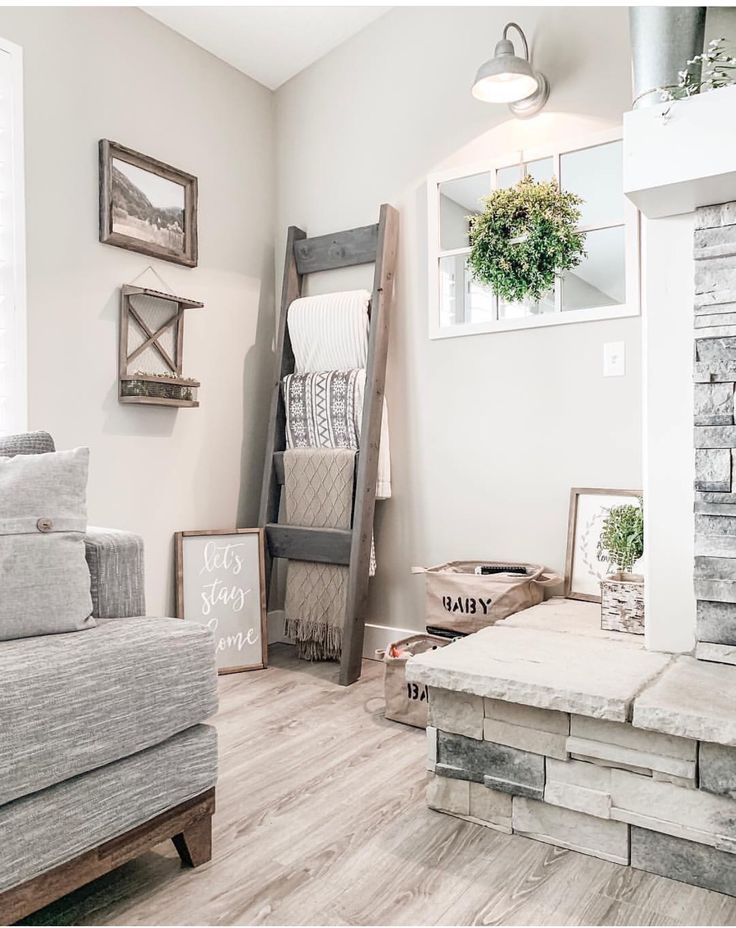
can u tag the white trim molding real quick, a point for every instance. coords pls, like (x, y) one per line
(377, 637)
(13, 324)
(629, 222)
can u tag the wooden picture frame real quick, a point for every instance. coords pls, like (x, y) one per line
(615, 497)
(162, 233)
(217, 557)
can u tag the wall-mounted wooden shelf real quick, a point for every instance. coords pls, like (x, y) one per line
(151, 349)
(156, 401)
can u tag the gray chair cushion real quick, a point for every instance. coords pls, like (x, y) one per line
(70, 703)
(26, 443)
(44, 576)
(57, 824)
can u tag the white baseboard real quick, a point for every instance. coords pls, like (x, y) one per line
(377, 637)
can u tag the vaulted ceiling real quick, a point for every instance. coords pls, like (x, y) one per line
(269, 43)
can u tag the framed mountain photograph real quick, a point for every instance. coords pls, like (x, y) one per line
(146, 205)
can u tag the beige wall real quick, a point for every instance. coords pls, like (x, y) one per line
(488, 432)
(116, 73)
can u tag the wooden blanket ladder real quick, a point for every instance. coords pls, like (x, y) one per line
(376, 244)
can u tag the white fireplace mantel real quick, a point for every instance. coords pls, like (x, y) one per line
(673, 165)
(681, 155)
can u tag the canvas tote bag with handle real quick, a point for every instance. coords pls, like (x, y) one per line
(406, 702)
(460, 601)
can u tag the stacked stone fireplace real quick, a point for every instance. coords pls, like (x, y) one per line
(715, 432)
(548, 727)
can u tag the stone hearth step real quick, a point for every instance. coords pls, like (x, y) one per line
(693, 699)
(545, 727)
(585, 675)
(569, 616)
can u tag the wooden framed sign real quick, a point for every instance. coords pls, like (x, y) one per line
(220, 583)
(589, 507)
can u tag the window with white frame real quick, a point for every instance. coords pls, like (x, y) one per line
(606, 283)
(13, 401)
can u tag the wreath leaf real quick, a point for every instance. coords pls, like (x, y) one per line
(525, 237)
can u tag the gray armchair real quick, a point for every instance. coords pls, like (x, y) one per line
(115, 561)
(102, 748)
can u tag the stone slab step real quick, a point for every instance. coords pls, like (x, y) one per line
(596, 677)
(569, 616)
(692, 699)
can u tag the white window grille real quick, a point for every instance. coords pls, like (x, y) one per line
(604, 286)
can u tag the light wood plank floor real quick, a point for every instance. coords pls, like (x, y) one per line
(321, 821)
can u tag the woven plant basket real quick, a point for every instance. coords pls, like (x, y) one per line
(622, 603)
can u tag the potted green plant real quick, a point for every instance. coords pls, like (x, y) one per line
(621, 544)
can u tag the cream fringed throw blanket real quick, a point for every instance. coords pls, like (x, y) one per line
(318, 489)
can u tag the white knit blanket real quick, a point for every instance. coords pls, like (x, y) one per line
(329, 332)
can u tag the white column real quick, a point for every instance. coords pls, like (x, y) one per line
(667, 297)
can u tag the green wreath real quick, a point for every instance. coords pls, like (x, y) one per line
(524, 238)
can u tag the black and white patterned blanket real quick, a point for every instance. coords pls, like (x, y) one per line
(323, 409)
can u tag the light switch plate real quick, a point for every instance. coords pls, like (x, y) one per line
(614, 359)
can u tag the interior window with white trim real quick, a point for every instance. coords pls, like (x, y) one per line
(13, 402)
(606, 283)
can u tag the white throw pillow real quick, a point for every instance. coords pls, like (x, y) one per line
(44, 578)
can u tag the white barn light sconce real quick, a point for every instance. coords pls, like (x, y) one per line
(507, 78)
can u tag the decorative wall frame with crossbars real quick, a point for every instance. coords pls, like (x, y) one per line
(151, 348)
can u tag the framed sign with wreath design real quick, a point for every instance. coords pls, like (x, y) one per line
(588, 510)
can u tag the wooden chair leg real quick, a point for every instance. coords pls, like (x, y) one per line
(194, 845)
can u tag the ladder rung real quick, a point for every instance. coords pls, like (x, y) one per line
(301, 543)
(278, 466)
(341, 249)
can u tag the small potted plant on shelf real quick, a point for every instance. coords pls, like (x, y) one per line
(621, 544)
(164, 386)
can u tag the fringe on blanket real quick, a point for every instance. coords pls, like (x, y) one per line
(318, 484)
(315, 641)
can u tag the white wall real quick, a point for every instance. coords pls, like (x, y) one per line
(116, 73)
(488, 432)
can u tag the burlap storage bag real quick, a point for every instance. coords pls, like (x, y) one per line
(406, 702)
(461, 602)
